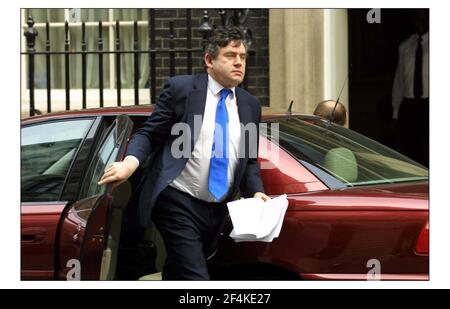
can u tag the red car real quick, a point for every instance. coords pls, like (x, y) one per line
(357, 209)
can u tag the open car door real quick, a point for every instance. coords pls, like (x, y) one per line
(84, 225)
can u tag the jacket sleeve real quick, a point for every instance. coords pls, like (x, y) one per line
(251, 181)
(156, 129)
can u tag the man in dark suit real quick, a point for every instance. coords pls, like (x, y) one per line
(186, 196)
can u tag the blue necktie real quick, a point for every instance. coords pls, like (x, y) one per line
(218, 170)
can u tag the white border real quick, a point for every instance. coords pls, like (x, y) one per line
(440, 113)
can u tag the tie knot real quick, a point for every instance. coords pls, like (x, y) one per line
(224, 93)
(419, 39)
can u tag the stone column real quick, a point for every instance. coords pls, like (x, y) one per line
(296, 58)
(308, 57)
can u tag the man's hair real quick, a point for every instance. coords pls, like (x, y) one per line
(325, 110)
(221, 38)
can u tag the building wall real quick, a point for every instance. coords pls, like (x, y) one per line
(304, 50)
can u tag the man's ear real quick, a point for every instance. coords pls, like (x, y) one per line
(208, 60)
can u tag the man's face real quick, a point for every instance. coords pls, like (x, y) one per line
(229, 66)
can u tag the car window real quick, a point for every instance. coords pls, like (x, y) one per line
(47, 151)
(106, 155)
(350, 157)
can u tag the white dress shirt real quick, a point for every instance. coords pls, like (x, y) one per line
(404, 75)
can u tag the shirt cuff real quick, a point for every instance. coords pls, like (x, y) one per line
(133, 158)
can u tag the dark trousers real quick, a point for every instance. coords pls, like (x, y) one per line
(413, 130)
(189, 228)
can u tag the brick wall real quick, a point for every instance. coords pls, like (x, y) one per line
(257, 63)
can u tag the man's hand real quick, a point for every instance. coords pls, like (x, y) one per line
(119, 172)
(262, 196)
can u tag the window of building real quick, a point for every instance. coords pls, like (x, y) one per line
(91, 17)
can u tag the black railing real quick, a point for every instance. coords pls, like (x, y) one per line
(237, 18)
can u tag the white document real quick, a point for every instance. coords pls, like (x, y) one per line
(256, 220)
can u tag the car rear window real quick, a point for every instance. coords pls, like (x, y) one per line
(47, 151)
(349, 157)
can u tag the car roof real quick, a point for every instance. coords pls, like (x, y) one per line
(145, 109)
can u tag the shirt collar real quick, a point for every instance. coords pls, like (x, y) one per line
(215, 87)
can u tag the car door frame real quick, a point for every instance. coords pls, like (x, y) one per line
(40, 219)
(81, 241)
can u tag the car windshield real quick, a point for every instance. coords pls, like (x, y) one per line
(349, 157)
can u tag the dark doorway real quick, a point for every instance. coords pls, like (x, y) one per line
(373, 55)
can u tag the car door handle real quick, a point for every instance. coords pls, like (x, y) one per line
(33, 235)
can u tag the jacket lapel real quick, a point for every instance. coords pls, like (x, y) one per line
(196, 106)
(243, 107)
(244, 112)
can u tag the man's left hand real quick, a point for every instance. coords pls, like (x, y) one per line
(262, 196)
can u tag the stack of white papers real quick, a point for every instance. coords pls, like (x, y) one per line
(256, 220)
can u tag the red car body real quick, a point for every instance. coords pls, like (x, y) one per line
(326, 234)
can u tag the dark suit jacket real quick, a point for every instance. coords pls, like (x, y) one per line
(181, 99)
